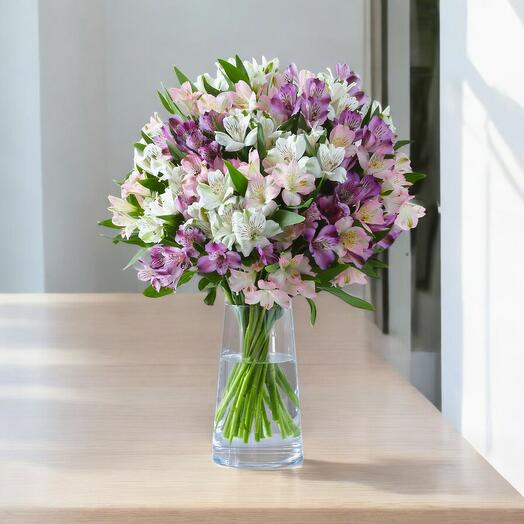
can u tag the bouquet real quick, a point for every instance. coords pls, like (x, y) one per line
(268, 184)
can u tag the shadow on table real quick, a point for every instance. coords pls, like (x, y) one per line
(394, 475)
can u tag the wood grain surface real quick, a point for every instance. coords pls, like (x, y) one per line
(106, 408)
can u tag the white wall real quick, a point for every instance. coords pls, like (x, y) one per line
(101, 63)
(22, 254)
(482, 170)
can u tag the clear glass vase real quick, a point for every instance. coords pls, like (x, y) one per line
(257, 417)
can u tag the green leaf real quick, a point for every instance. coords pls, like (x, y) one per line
(289, 124)
(379, 235)
(182, 78)
(286, 218)
(139, 146)
(347, 298)
(329, 274)
(147, 138)
(151, 292)
(172, 220)
(377, 263)
(175, 152)
(304, 204)
(242, 69)
(203, 283)
(133, 239)
(166, 102)
(211, 296)
(108, 223)
(233, 72)
(312, 311)
(238, 179)
(261, 142)
(272, 267)
(185, 277)
(414, 177)
(135, 257)
(209, 88)
(401, 143)
(369, 271)
(153, 184)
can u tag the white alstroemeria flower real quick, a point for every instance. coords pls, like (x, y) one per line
(408, 215)
(121, 209)
(163, 205)
(199, 218)
(221, 222)
(340, 99)
(150, 229)
(327, 163)
(286, 150)
(217, 191)
(151, 159)
(268, 127)
(154, 126)
(175, 176)
(257, 72)
(236, 126)
(219, 82)
(252, 229)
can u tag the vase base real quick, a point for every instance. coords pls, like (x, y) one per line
(259, 457)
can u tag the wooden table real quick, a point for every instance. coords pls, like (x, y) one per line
(106, 406)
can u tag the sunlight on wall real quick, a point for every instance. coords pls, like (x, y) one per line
(482, 109)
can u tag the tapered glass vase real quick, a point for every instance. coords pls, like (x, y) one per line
(257, 417)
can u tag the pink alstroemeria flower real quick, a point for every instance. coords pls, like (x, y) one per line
(244, 97)
(350, 276)
(289, 275)
(294, 181)
(343, 136)
(408, 215)
(185, 99)
(241, 280)
(266, 295)
(261, 190)
(370, 212)
(353, 240)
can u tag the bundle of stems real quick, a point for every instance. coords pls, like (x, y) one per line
(256, 389)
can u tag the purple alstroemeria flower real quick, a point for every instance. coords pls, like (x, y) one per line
(331, 209)
(187, 237)
(290, 74)
(210, 121)
(266, 254)
(323, 246)
(162, 139)
(218, 259)
(169, 258)
(344, 73)
(209, 152)
(310, 225)
(349, 118)
(377, 135)
(314, 102)
(284, 103)
(356, 190)
(386, 242)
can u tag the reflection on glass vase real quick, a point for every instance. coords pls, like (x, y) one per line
(257, 418)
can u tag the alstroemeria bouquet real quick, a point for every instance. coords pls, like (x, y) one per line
(268, 184)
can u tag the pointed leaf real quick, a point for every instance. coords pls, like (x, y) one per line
(166, 102)
(347, 298)
(108, 223)
(312, 311)
(238, 179)
(135, 257)
(330, 273)
(414, 177)
(209, 88)
(401, 143)
(242, 69)
(182, 78)
(261, 142)
(287, 218)
(211, 296)
(233, 72)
